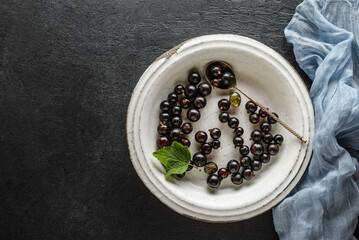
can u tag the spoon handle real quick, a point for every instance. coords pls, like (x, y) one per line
(273, 116)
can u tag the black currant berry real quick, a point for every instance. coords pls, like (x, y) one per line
(265, 157)
(206, 148)
(223, 117)
(194, 78)
(224, 104)
(233, 166)
(190, 167)
(266, 127)
(199, 159)
(244, 150)
(199, 102)
(163, 141)
(247, 174)
(238, 131)
(237, 179)
(163, 129)
(278, 139)
(204, 89)
(262, 113)
(215, 82)
(227, 79)
(254, 118)
(272, 120)
(273, 149)
(186, 128)
(216, 70)
(267, 138)
(216, 144)
(233, 122)
(176, 121)
(223, 173)
(201, 136)
(257, 149)
(237, 141)
(185, 103)
(190, 91)
(179, 89)
(172, 98)
(176, 110)
(215, 133)
(210, 168)
(193, 115)
(185, 142)
(256, 135)
(214, 181)
(165, 117)
(251, 107)
(165, 106)
(256, 165)
(175, 134)
(246, 161)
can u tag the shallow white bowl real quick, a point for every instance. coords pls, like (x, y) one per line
(265, 76)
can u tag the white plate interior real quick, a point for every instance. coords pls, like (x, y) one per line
(265, 76)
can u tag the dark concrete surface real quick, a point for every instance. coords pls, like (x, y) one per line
(67, 72)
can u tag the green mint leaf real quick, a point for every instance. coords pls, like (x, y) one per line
(175, 158)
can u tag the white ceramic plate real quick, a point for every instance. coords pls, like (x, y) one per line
(265, 76)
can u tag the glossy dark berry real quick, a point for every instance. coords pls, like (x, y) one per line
(233, 122)
(199, 102)
(233, 166)
(176, 121)
(165, 117)
(238, 131)
(247, 174)
(194, 78)
(223, 117)
(214, 181)
(185, 103)
(237, 179)
(163, 129)
(272, 120)
(238, 141)
(262, 113)
(244, 150)
(204, 89)
(246, 161)
(185, 142)
(175, 134)
(257, 149)
(172, 98)
(265, 157)
(165, 106)
(254, 118)
(190, 91)
(273, 149)
(206, 148)
(223, 173)
(278, 139)
(179, 89)
(215, 133)
(181, 175)
(266, 127)
(193, 115)
(199, 159)
(176, 110)
(201, 136)
(215, 82)
(163, 141)
(251, 106)
(227, 79)
(224, 104)
(210, 168)
(267, 138)
(256, 165)
(256, 135)
(216, 144)
(190, 167)
(216, 70)
(224, 83)
(186, 128)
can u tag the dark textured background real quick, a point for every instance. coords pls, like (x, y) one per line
(67, 72)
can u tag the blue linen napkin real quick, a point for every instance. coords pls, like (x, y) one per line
(325, 204)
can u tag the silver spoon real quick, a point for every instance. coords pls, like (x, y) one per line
(232, 85)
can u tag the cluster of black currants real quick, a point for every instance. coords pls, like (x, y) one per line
(191, 97)
(246, 166)
(221, 77)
